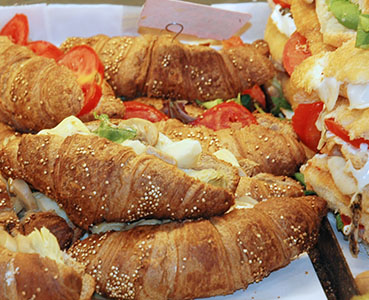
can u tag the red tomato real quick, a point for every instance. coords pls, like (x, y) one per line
(257, 94)
(224, 114)
(342, 133)
(282, 3)
(346, 220)
(92, 93)
(303, 122)
(136, 109)
(232, 42)
(45, 49)
(295, 51)
(17, 29)
(85, 63)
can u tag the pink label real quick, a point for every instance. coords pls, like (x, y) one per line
(199, 20)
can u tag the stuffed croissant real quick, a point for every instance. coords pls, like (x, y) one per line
(38, 93)
(268, 147)
(168, 261)
(160, 66)
(95, 180)
(33, 267)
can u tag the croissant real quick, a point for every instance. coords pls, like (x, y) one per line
(95, 180)
(160, 66)
(38, 93)
(168, 261)
(263, 186)
(33, 267)
(260, 148)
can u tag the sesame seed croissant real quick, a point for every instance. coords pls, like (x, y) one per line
(38, 93)
(161, 66)
(268, 148)
(201, 258)
(97, 180)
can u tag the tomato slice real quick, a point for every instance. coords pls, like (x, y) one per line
(342, 133)
(232, 42)
(92, 93)
(224, 115)
(85, 63)
(303, 122)
(282, 3)
(136, 109)
(45, 49)
(257, 94)
(346, 220)
(17, 29)
(295, 51)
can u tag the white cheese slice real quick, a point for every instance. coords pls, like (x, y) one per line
(227, 156)
(186, 152)
(136, 145)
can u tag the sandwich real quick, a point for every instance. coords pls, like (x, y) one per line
(168, 261)
(160, 66)
(95, 179)
(337, 82)
(33, 266)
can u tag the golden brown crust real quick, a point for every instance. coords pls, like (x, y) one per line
(54, 223)
(160, 66)
(273, 151)
(169, 261)
(263, 186)
(36, 92)
(307, 24)
(276, 41)
(192, 109)
(26, 275)
(94, 179)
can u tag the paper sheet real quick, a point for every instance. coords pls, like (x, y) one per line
(55, 23)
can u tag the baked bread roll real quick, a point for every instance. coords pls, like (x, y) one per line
(170, 261)
(264, 148)
(94, 179)
(162, 67)
(34, 267)
(37, 93)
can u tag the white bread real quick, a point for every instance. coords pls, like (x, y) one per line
(334, 33)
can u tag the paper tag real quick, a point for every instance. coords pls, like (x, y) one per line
(199, 20)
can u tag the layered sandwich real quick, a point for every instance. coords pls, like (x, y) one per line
(335, 124)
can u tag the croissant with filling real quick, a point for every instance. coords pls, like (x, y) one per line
(94, 179)
(33, 267)
(170, 261)
(162, 67)
(266, 147)
(38, 93)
